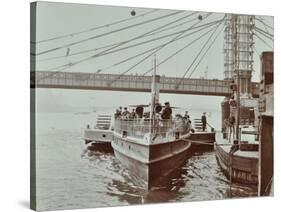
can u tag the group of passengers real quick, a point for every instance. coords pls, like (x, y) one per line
(125, 114)
(181, 124)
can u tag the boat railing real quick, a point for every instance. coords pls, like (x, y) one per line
(139, 127)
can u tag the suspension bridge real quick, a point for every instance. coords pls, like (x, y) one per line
(189, 27)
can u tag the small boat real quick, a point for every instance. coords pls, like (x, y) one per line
(239, 162)
(149, 147)
(237, 150)
(100, 137)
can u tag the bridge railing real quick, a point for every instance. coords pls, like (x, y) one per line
(44, 77)
(131, 82)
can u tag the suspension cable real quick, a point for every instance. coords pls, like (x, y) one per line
(101, 54)
(261, 39)
(264, 33)
(257, 52)
(202, 57)
(149, 50)
(118, 43)
(107, 33)
(178, 51)
(180, 24)
(148, 56)
(204, 45)
(96, 28)
(261, 21)
(106, 52)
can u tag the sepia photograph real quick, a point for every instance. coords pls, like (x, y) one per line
(135, 106)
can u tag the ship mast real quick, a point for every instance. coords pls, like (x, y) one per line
(154, 94)
(237, 70)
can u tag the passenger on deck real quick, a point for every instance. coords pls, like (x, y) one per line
(125, 114)
(167, 112)
(179, 126)
(187, 124)
(204, 121)
(231, 125)
(117, 114)
(186, 116)
(133, 114)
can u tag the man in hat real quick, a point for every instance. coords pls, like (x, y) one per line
(167, 112)
(125, 114)
(204, 121)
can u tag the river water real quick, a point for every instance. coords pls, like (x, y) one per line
(69, 177)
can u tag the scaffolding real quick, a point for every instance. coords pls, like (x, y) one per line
(238, 50)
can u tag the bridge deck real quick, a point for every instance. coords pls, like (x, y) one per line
(93, 81)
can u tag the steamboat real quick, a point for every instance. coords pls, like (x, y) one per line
(149, 147)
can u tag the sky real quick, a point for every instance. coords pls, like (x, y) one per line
(56, 19)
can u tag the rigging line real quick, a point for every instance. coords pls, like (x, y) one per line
(263, 41)
(106, 52)
(264, 26)
(108, 33)
(165, 29)
(130, 58)
(262, 34)
(203, 47)
(178, 51)
(205, 53)
(144, 42)
(267, 33)
(95, 28)
(110, 45)
(77, 53)
(255, 49)
(148, 56)
(117, 50)
(261, 21)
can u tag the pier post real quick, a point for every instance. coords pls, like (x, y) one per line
(266, 125)
(266, 155)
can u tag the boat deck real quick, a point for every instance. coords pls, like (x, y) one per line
(226, 146)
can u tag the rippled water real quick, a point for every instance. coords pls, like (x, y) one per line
(70, 177)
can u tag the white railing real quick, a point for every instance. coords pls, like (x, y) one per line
(139, 127)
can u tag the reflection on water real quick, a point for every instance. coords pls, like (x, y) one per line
(68, 176)
(199, 179)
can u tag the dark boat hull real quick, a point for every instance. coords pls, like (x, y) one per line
(151, 163)
(201, 138)
(239, 168)
(100, 147)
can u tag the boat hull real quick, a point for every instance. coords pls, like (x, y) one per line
(151, 163)
(98, 136)
(104, 147)
(201, 138)
(241, 167)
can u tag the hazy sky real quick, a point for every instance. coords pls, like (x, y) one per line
(55, 19)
